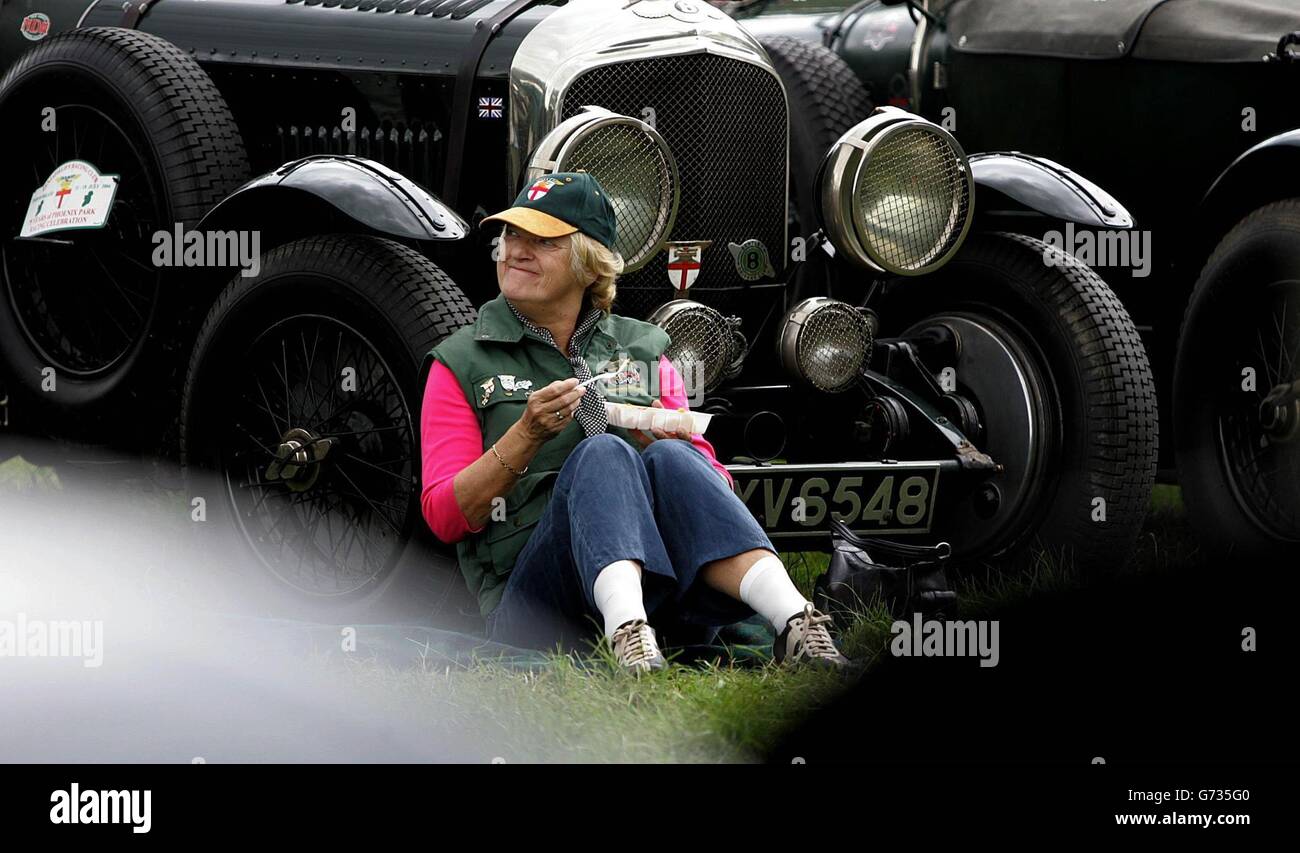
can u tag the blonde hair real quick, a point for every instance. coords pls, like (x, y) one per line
(591, 261)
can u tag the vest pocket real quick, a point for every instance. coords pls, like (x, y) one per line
(506, 538)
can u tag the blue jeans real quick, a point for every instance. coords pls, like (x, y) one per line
(666, 507)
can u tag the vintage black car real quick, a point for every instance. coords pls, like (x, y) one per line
(904, 366)
(1187, 111)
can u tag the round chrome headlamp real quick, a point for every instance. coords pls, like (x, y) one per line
(896, 193)
(706, 347)
(826, 343)
(633, 164)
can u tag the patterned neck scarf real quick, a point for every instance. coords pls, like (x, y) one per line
(591, 408)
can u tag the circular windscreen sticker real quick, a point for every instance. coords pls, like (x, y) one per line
(35, 26)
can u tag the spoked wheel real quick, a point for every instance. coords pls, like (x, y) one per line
(83, 299)
(1059, 392)
(302, 401)
(1237, 389)
(89, 325)
(320, 479)
(1259, 439)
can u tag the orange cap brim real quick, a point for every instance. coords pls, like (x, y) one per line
(533, 221)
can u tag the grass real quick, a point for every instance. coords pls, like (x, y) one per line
(572, 713)
(574, 710)
(567, 712)
(17, 475)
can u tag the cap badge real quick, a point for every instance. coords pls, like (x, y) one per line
(541, 188)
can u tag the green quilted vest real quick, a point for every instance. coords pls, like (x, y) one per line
(498, 362)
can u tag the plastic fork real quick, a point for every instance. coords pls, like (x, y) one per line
(599, 376)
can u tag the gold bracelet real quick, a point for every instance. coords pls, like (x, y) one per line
(506, 466)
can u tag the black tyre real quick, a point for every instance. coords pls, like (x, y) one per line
(1236, 397)
(826, 98)
(325, 343)
(90, 330)
(1061, 383)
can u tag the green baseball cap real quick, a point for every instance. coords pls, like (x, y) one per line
(562, 203)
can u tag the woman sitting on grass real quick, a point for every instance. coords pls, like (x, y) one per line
(562, 522)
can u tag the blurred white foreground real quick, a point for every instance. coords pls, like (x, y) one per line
(117, 646)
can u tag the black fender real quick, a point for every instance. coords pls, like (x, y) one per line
(1048, 188)
(1264, 173)
(335, 192)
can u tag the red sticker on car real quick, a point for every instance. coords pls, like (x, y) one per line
(35, 26)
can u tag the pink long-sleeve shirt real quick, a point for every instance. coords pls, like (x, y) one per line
(452, 441)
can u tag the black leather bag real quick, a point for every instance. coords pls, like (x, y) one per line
(905, 578)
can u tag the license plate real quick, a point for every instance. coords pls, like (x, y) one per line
(870, 497)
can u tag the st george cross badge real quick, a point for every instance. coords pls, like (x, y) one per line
(541, 188)
(684, 260)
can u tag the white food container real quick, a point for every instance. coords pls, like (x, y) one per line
(647, 418)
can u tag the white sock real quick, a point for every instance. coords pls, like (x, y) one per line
(767, 588)
(618, 594)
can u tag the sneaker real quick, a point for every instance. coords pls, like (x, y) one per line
(806, 640)
(635, 647)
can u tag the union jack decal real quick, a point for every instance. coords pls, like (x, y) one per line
(490, 107)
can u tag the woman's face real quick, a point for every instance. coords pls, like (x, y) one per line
(535, 269)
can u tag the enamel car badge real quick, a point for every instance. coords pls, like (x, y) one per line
(75, 196)
(751, 259)
(685, 259)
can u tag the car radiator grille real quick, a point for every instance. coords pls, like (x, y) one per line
(412, 150)
(725, 121)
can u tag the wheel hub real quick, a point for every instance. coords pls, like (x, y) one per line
(298, 459)
(1279, 413)
(1001, 402)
